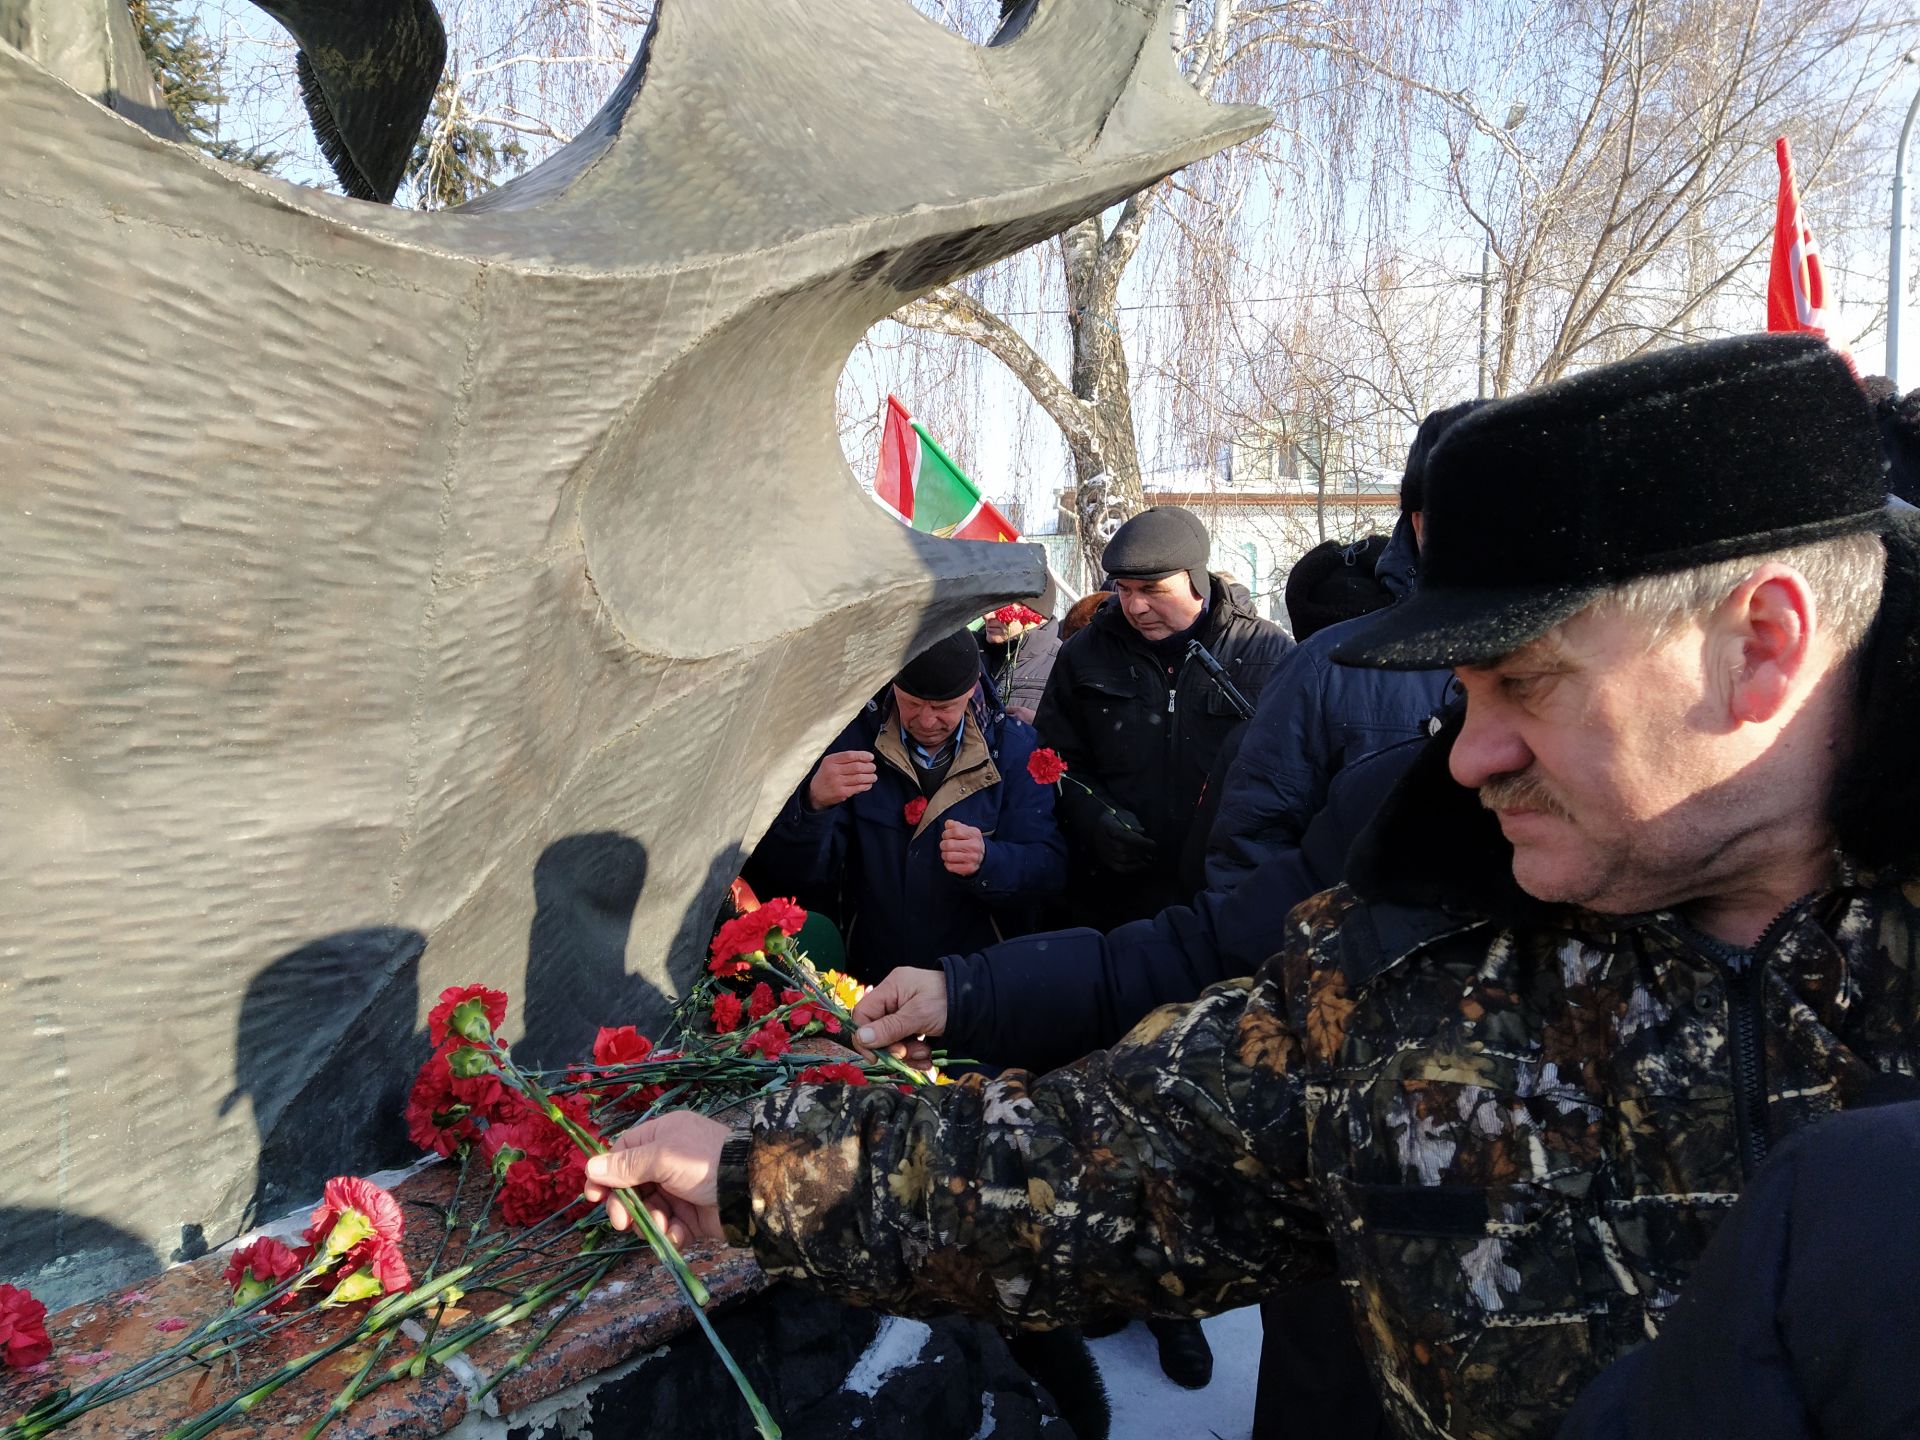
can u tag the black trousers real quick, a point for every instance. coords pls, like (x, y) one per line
(1314, 1385)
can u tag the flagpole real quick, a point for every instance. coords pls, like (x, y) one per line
(1897, 244)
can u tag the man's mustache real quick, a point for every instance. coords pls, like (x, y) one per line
(1523, 791)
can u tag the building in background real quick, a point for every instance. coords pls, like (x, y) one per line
(1280, 489)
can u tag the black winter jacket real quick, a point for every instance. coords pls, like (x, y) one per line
(1315, 717)
(1045, 1000)
(1144, 740)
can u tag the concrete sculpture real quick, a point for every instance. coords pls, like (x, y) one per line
(391, 600)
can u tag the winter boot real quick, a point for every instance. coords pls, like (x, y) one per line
(1185, 1357)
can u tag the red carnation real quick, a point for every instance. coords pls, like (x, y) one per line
(347, 1195)
(770, 1040)
(437, 1119)
(256, 1268)
(916, 807)
(359, 1224)
(622, 1046)
(738, 940)
(747, 935)
(24, 1341)
(760, 1001)
(726, 1012)
(440, 1017)
(389, 1267)
(1019, 615)
(539, 1168)
(1046, 767)
(781, 915)
(840, 1072)
(802, 1016)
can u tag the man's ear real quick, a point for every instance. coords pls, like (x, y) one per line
(1767, 629)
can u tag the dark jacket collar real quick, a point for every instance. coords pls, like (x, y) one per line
(1400, 561)
(1876, 805)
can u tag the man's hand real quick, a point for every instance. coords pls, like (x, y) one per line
(1022, 712)
(841, 776)
(897, 1013)
(963, 849)
(1120, 845)
(674, 1162)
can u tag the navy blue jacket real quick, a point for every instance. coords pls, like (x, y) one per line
(1799, 1322)
(1046, 1000)
(1314, 718)
(899, 905)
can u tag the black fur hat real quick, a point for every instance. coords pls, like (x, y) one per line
(1537, 504)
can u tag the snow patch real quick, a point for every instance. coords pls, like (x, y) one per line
(986, 1417)
(895, 1345)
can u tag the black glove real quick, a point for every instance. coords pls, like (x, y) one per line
(1120, 845)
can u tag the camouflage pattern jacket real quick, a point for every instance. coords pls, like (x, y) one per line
(1511, 1128)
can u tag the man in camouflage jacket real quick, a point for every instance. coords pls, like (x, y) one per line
(1653, 906)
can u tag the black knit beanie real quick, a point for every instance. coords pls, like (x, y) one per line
(1334, 582)
(1160, 542)
(945, 670)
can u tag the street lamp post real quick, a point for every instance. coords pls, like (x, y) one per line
(1897, 242)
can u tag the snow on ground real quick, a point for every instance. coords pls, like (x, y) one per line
(1148, 1406)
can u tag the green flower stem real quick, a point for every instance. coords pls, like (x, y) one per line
(351, 1390)
(217, 1338)
(525, 1352)
(690, 1285)
(212, 1418)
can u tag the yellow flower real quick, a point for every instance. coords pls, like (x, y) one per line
(938, 1076)
(844, 988)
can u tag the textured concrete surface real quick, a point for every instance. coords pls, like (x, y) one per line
(392, 600)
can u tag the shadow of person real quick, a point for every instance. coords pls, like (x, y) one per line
(64, 1258)
(585, 889)
(325, 1054)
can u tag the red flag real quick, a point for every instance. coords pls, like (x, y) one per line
(899, 460)
(1796, 286)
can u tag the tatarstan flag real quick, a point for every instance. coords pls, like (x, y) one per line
(922, 485)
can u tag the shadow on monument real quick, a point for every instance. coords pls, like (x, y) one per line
(64, 1258)
(585, 890)
(327, 1048)
(325, 1052)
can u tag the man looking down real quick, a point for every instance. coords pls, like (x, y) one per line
(923, 817)
(1649, 909)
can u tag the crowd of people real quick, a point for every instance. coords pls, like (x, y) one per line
(1483, 1007)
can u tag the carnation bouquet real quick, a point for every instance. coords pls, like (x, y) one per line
(515, 1228)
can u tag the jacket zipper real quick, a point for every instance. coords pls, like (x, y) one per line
(1749, 1067)
(1746, 1018)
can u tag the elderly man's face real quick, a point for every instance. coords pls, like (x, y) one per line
(930, 722)
(1159, 608)
(1615, 773)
